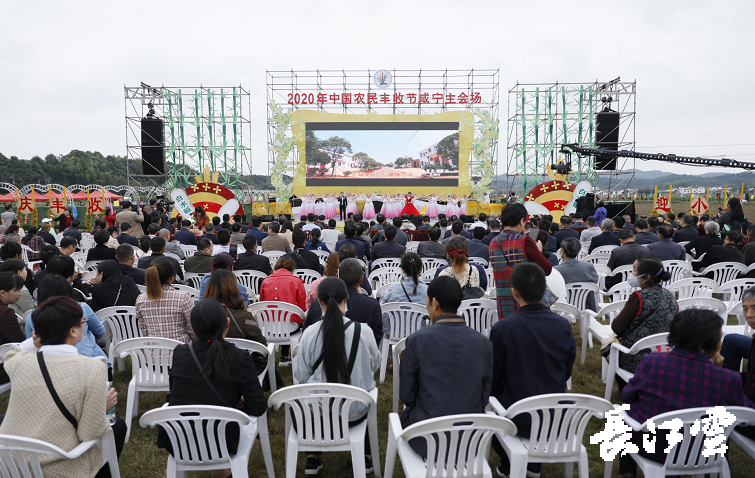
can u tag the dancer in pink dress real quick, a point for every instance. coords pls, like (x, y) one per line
(432, 207)
(451, 208)
(351, 207)
(463, 208)
(369, 208)
(409, 207)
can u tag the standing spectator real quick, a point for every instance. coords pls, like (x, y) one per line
(25, 302)
(184, 235)
(109, 216)
(332, 340)
(273, 241)
(665, 249)
(574, 270)
(734, 217)
(8, 216)
(432, 249)
(101, 252)
(388, 248)
(447, 349)
(565, 231)
(164, 311)
(131, 215)
(34, 242)
(73, 231)
(477, 248)
(284, 286)
(605, 238)
(63, 220)
(600, 214)
(303, 258)
(126, 258)
(222, 261)
(533, 352)
(201, 260)
(688, 231)
(409, 289)
(509, 249)
(111, 287)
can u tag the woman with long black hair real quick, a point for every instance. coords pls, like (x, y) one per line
(316, 244)
(211, 371)
(331, 340)
(734, 217)
(111, 287)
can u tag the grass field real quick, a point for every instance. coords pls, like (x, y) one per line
(142, 458)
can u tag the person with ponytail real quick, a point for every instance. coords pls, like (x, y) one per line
(211, 371)
(734, 217)
(648, 311)
(327, 349)
(460, 269)
(164, 311)
(410, 289)
(316, 244)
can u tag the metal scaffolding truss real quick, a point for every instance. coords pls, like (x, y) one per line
(204, 127)
(543, 116)
(297, 89)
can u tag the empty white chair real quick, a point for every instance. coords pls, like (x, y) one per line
(479, 314)
(266, 350)
(398, 349)
(432, 264)
(20, 455)
(457, 445)
(707, 303)
(194, 279)
(479, 260)
(694, 287)
(91, 265)
(197, 435)
(188, 250)
(620, 291)
(193, 293)
(558, 425)
(151, 357)
(679, 270)
(274, 319)
(384, 275)
(567, 311)
(686, 457)
(404, 318)
(591, 326)
(597, 259)
(308, 276)
(251, 279)
(732, 291)
(378, 293)
(578, 292)
(386, 262)
(321, 427)
(724, 272)
(623, 271)
(123, 326)
(655, 342)
(273, 257)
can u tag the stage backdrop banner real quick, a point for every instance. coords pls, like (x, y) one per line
(392, 154)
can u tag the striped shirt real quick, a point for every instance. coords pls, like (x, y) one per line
(168, 316)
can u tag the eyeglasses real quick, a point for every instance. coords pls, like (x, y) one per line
(84, 321)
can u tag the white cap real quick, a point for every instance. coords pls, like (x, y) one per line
(47, 219)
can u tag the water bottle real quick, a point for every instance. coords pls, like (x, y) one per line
(110, 413)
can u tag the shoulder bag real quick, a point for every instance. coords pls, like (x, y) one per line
(55, 397)
(469, 292)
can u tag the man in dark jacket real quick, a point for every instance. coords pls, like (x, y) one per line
(702, 244)
(157, 244)
(624, 255)
(666, 249)
(726, 253)
(605, 238)
(126, 258)
(201, 261)
(495, 230)
(687, 232)
(388, 248)
(303, 258)
(643, 236)
(432, 249)
(476, 247)
(184, 235)
(73, 231)
(250, 260)
(125, 236)
(565, 231)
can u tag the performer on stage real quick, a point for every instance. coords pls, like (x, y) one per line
(342, 203)
(409, 208)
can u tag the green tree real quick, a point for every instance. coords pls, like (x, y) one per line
(314, 154)
(336, 147)
(402, 161)
(448, 147)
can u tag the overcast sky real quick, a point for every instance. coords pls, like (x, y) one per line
(63, 64)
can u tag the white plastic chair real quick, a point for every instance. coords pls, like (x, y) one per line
(189, 250)
(590, 325)
(479, 260)
(251, 279)
(603, 271)
(384, 275)
(686, 457)
(751, 268)
(620, 291)
(274, 319)
(742, 328)
(457, 445)
(321, 254)
(151, 357)
(386, 262)
(193, 293)
(597, 259)
(378, 293)
(432, 264)
(20, 455)
(707, 303)
(194, 279)
(679, 270)
(604, 250)
(173, 256)
(25, 251)
(405, 318)
(398, 349)
(208, 450)
(308, 276)
(89, 275)
(694, 287)
(4, 349)
(655, 342)
(266, 350)
(567, 310)
(123, 326)
(558, 426)
(412, 246)
(91, 265)
(724, 272)
(491, 283)
(623, 271)
(479, 314)
(732, 291)
(578, 292)
(325, 427)
(273, 256)
(428, 276)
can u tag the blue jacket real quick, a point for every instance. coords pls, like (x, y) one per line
(88, 345)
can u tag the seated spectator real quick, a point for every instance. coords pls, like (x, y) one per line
(112, 241)
(625, 255)
(435, 352)
(729, 252)
(577, 222)
(223, 287)
(605, 238)
(665, 249)
(164, 311)
(144, 247)
(311, 223)
(737, 346)
(425, 223)
(34, 242)
(533, 352)
(101, 252)
(543, 238)
(152, 229)
(495, 230)
(249, 259)
(432, 249)
(565, 231)
(331, 270)
(274, 241)
(643, 235)
(702, 244)
(362, 308)
(460, 269)
(476, 246)
(401, 237)
(592, 230)
(171, 247)
(284, 286)
(60, 327)
(688, 231)
(157, 245)
(574, 270)
(672, 221)
(666, 382)
(126, 258)
(224, 242)
(230, 370)
(618, 225)
(326, 350)
(201, 261)
(55, 285)
(456, 229)
(210, 233)
(47, 232)
(410, 289)
(111, 287)
(125, 236)
(184, 235)
(73, 231)
(25, 302)
(303, 258)
(330, 235)
(11, 286)
(388, 248)
(348, 251)
(647, 311)
(256, 229)
(316, 244)
(222, 261)
(237, 237)
(350, 231)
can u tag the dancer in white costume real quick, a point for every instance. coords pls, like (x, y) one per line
(369, 208)
(432, 207)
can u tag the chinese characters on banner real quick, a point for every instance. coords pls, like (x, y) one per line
(57, 205)
(699, 205)
(182, 203)
(26, 206)
(662, 204)
(95, 205)
(377, 98)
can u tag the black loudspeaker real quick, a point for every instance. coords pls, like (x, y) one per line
(153, 145)
(606, 137)
(266, 218)
(620, 208)
(295, 202)
(586, 205)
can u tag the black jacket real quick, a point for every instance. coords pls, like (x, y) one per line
(105, 293)
(387, 249)
(604, 239)
(135, 273)
(253, 261)
(306, 260)
(702, 244)
(687, 233)
(147, 261)
(100, 253)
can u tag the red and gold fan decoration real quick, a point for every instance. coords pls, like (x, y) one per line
(554, 195)
(209, 195)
